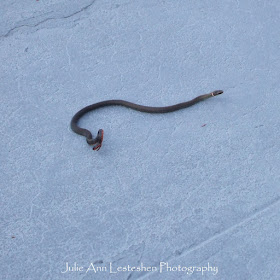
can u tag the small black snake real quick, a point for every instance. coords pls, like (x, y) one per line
(97, 141)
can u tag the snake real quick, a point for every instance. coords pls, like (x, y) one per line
(98, 140)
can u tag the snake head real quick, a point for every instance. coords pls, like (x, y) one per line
(99, 140)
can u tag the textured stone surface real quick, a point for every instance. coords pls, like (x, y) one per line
(195, 187)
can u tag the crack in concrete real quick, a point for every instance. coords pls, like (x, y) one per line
(185, 251)
(47, 19)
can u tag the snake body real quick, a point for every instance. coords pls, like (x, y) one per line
(97, 141)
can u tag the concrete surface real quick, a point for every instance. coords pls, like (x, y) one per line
(195, 190)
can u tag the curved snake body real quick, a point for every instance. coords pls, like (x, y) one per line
(97, 141)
